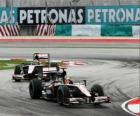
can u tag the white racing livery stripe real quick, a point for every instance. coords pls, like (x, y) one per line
(83, 89)
(31, 68)
(49, 69)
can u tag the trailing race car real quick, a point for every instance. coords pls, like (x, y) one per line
(31, 70)
(64, 91)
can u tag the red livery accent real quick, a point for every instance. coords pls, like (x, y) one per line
(135, 101)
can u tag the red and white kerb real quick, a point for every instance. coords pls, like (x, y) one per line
(132, 106)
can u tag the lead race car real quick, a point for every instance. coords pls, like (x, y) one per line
(30, 70)
(55, 86)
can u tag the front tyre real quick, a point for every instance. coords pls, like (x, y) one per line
(17, 70)
(17, 80)
(62, 95)
(35, 88)
(96, 90)
(60, 98)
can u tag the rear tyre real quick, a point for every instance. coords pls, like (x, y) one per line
(35, 89)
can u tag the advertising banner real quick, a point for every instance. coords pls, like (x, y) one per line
(116, 30)
(86, 30)
(51, 15)
(63, 30)
(95, 15)
(136, 31)
(8, 16)
(127, 14)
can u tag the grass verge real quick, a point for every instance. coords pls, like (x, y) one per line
(9, 64)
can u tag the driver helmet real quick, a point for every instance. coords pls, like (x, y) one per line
(68, 80)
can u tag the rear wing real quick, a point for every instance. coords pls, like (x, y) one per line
(40, 56)
(45, 58)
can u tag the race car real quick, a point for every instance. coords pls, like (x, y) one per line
(28, 71)
(65, 91)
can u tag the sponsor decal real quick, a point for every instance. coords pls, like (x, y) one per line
(8, 16)
(51, 15)
(123, 14)
(132, 106)
(113, 14)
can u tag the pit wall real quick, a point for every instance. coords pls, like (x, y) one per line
(97, 30)
(70, 39)
(76, 30)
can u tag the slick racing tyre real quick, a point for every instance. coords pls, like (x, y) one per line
(17, 70)
(97, 90)
(62, 94)
(17, 80)
(35, 88)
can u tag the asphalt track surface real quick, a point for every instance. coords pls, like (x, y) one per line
(117, 70)
(74, 53)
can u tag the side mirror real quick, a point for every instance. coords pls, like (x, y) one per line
(85, 82)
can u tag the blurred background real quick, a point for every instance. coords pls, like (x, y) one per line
(31, 30)
(41, 3)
